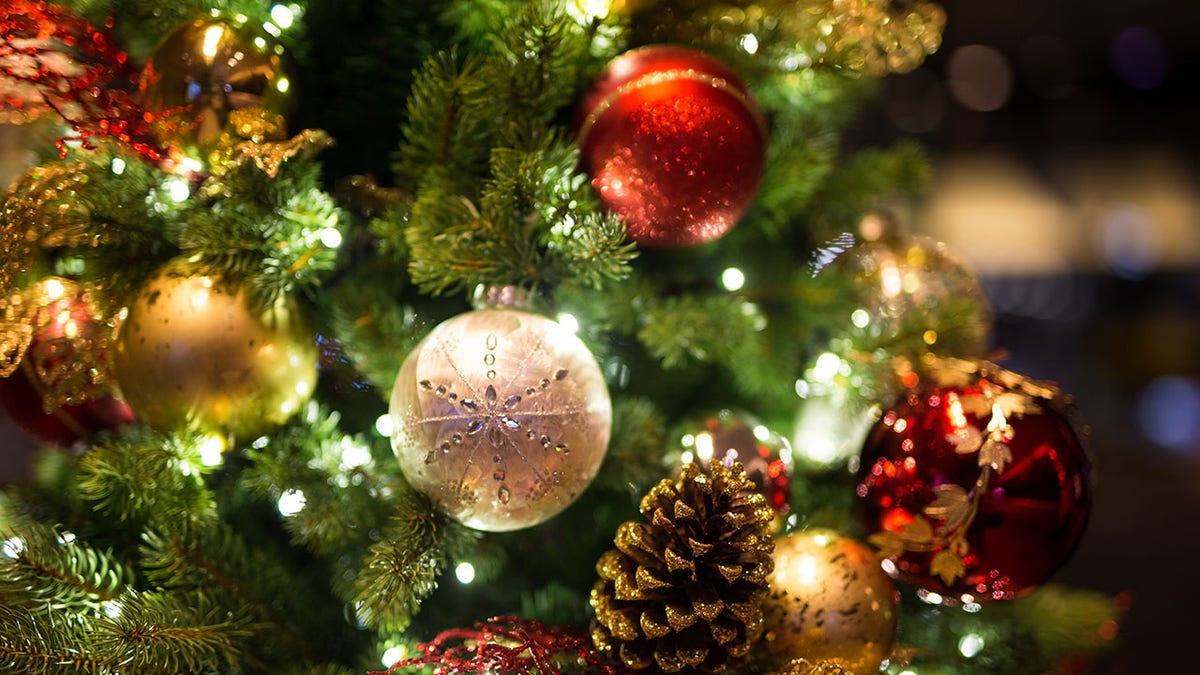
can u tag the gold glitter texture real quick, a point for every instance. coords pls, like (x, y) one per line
(829, 601)
(682, 590)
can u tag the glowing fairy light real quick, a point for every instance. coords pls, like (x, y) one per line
(970, 645)
(117, 166)
(568, 322)
(384, 426)
(464, 572)
(394, 654)
(211, 449)
(860, 318)
(733, 279)
(749, 43)
(282, 16)
(826, 367)
(177, 189)
(291, 503)
(331, 237)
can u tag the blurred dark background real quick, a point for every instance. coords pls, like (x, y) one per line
(1068, 175)
(1064, 135)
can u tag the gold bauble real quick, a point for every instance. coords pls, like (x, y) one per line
(203, 71)
(193, 352)
(502, 417)
(829, 601)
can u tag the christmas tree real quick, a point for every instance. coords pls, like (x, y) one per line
(497, 336)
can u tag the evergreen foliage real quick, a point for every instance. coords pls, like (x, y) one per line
(305, 551)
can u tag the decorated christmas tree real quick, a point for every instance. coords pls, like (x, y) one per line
(500, 336)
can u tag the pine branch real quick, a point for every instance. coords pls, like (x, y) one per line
(169, 633)
(145, 477)
(714, 328)
(532, 227)
(48, 569)
(262, 218)
(46, 644)
(328, 475)
(401, 570)
(438, 132)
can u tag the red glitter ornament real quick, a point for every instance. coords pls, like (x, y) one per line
(63, 328)
(52, 60)
(975, 484)
(674, 143)
(505, 644)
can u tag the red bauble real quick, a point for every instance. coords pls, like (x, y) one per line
(674, 143)
(975, 484)
(21, 399)
(68, 350)
(728, 436)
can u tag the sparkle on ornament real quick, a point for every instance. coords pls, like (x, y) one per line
(291, 503)
(212, 39)
(464, 572)
(970, 645)
(929, 597)
(733, 279)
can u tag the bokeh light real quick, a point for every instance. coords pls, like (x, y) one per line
(1139, 58)
(979, 77)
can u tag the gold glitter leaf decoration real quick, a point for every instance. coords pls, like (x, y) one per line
(41, 212)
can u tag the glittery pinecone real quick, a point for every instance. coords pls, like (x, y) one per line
(806, 667)
(681, 592)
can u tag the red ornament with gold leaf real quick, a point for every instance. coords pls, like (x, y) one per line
(55, 376)
(674, 144)
(975, 484)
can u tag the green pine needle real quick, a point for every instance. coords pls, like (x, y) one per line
(49, 569)
(401, 570)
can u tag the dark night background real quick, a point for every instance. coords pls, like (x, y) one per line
(1064, 137)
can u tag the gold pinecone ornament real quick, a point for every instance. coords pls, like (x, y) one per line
(681, 593)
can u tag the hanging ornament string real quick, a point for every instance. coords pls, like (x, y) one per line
(503, 644)
(54, 61)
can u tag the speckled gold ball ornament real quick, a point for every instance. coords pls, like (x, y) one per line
(830, 602)
(194, 352)
(204, 70)
(502, 417)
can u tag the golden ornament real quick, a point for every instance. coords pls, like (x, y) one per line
(830, 601)
(502, 417)
(194, 352)
(205, 70)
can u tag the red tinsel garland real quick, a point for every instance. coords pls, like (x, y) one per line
(53, 60)
(503, 644)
